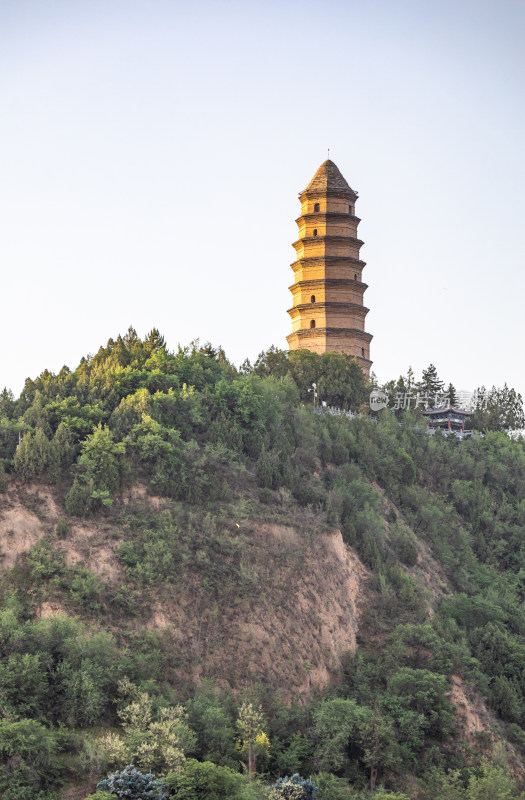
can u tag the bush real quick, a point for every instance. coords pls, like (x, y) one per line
(28, 753)
(266, 496)
(202, 780)
(101, 796)
(62, 529)
(403, 545)
(3, 478)
(133, 785)
(294, 788)
(406, 551)
(332, 788)
(78, 500)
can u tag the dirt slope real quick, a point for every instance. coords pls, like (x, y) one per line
(302, 615)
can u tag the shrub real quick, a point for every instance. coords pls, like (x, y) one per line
(332, 788)
(28, 755)
(404, 546)
(294, 788)
(266, 496)
(133, 785)
(3, 478)
(202, 780)
(101, 796)
(62, 529)
(391, 796)
(78, 500)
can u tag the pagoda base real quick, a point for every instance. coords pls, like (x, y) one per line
(353, 342)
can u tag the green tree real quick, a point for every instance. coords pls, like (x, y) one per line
(336, 733)
(332, 788)
(423, 693)
(498, 410)
(61, 453)
(379, 746)
(156, 741)
(154, 341)
(7, 403)
(451, 394)
(494, 783)
(32, 455)
(250, 725)
(273, 362)
(430, 382)
(28, 754)
(99, 468)
(210, 715)
(203, 780)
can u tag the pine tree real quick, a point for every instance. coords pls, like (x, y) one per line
(153, 341)
(7, 403)
(430, 382)
(32, 455)
(452, 395)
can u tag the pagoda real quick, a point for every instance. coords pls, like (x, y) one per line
(328, 314)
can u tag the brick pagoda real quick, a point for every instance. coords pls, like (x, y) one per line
(328, 312)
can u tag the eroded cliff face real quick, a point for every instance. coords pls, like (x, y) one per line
(300, 614)
(306, 595)
(303, 615)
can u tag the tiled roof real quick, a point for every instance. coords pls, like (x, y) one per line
(328, 177)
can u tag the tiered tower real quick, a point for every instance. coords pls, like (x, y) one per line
(328, 312)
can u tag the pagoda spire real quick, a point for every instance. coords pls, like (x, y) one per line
(328, 314)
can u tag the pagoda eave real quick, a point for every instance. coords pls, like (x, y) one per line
(327, 259)
(429, 412)
(334, 282)
(318, 332)
(336, 215)
(328, 192)
(331, 304)
(332, 239)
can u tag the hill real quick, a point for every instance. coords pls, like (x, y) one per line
(173, 530)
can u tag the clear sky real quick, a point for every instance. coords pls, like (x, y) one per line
(152, 152)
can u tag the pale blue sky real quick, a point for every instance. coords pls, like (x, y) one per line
(152, 153)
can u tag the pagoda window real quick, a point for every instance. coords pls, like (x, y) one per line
(355, 276)
(315, 231)
(363, 352)
(312, 299)
(312, 323)
(316, 207)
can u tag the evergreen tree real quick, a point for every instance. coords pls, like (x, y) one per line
(61, 453)
(430, 382)
(451, 395)
(7, 403)
(154, 341)
(498, 410)
(32, 455)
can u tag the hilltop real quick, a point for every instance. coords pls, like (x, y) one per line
(171, 524)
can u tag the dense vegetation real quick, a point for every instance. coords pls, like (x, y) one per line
(85, 693)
